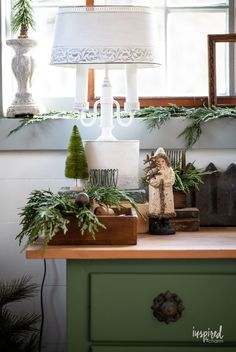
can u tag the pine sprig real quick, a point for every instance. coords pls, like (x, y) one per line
(88, 222)
(53, 115)
(155, 117)
(16, 290)
(189, 178)
(200, 116)
(17, 333)
(19, 324)
(22, 15)
(109, 196)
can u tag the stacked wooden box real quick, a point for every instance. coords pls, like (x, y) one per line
(187, 219)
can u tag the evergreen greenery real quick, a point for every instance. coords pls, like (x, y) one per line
(155, 117)
(17, 333)
(109, 196)
(46, 213)
(189, 178)
(76, 163)
(22, 17)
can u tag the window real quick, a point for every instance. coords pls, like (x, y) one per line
(183, 26)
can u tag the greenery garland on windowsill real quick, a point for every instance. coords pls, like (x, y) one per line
(155, 117)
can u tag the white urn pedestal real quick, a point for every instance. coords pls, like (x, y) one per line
(22, 67)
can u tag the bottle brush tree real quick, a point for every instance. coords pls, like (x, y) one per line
(76, 162)
(22, 17)
(17, 333)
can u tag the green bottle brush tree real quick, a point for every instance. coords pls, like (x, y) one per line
(76, 164)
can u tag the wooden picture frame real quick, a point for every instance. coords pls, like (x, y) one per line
(212, 97)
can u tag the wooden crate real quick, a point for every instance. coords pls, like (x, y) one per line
(121, 229)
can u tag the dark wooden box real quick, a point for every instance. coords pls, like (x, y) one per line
(187, 219)
(121, 229)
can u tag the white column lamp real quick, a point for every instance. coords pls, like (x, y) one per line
(102, 37)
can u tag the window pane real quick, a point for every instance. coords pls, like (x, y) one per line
(196, 3)
(222, 68)
(183, 53)
(151, 81)
(50, 81)
(187, 61)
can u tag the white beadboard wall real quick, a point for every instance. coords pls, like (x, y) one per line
(34, 158)
(20, 173)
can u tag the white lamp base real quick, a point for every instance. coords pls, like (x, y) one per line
(106, 135)
(121, 155)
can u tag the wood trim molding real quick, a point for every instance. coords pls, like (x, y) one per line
(212, 98)
(91, 87)
(157, 101)
(89, 2)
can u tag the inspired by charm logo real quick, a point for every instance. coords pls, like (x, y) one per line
(209, 335)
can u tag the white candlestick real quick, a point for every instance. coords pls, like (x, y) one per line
(23, 68)
(106, 102)
(81, 103)
(132, 102)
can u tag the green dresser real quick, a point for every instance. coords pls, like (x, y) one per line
(113, 291)
(110, 305)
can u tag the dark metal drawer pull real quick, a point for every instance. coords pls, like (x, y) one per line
(167, 307)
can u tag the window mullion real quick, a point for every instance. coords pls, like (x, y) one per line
(231, 49)
(165, 41)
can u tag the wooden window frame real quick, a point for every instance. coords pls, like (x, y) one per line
(212, 98)
(159, 101)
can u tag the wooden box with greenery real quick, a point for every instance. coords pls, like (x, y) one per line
(76, 163)
(47, 215)
(187, 180)
(119, 228)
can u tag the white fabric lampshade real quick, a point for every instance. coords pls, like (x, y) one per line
(99, 35)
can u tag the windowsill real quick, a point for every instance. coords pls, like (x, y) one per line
(54, 134)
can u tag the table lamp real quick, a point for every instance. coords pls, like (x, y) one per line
(105, 37)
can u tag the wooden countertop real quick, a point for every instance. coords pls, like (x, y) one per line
(206, 243)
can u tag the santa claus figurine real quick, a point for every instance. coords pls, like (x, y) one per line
(161, 178)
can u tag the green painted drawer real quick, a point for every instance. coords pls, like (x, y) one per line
(161, 349)
(120, 307)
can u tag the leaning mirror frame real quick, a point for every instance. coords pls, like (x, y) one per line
(213, 99)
